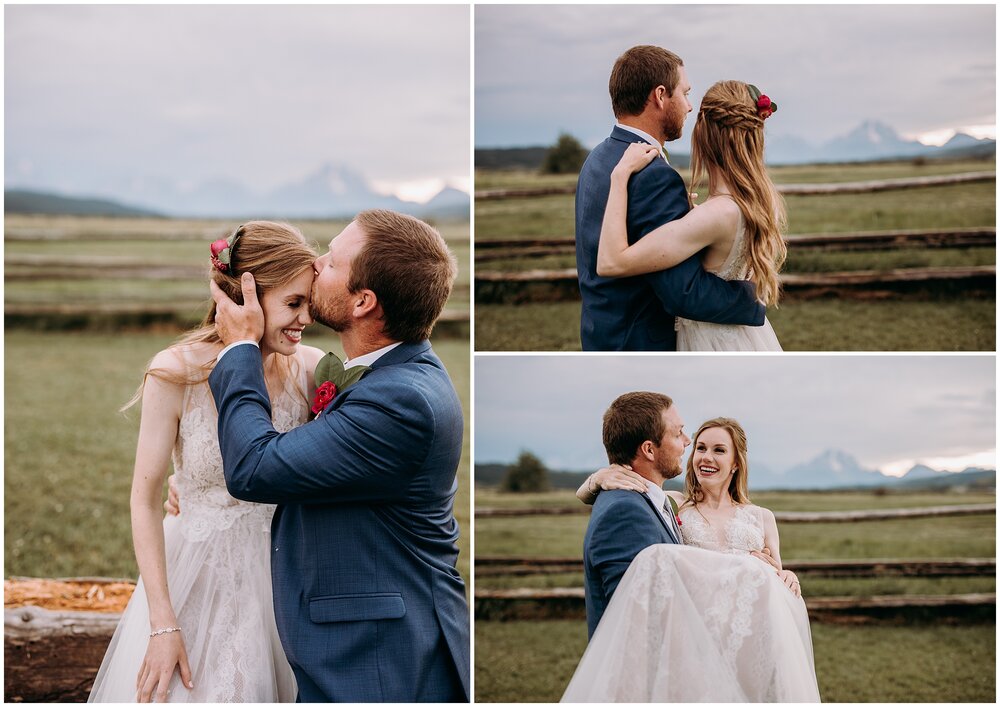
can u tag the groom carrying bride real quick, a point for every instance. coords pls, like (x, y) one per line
(677, 609)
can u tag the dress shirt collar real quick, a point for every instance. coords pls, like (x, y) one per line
(645, 136)
(369, 358)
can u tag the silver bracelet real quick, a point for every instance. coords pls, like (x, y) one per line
(164, 630)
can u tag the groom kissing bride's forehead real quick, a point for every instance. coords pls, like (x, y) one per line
(368, 603)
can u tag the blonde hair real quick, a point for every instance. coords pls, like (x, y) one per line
(693, 492)
(729, 137)
(274, 253)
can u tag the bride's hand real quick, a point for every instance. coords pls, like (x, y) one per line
(618, 477)
(164, 654)
(791, 581)
(637, 156)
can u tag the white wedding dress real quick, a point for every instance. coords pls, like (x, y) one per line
(703, 622)
(708, 336)
(218, 573)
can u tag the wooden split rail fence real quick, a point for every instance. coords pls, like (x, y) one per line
(554, 285)
(568, 602)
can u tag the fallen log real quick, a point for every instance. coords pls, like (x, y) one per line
(53, 656)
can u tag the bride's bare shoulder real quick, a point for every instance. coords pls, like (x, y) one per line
(181, 358)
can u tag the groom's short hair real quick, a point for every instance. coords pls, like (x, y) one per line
(632, 419)
(408, 266)
(637, 72)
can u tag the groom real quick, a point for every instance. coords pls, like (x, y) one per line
(642, 430)
(649, 90)
(368, 603)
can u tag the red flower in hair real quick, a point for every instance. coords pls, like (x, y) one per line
(220, 254)
(765, 107)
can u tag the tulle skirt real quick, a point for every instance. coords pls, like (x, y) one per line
(706, 336)
(220, 588)
(693, 625)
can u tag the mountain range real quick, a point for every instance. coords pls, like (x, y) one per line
(870, 141)
(333, 191)
(833, 469)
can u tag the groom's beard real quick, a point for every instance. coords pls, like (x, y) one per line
(336, 315)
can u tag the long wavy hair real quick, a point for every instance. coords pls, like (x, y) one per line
(693, 492)
(728, 137)
(275, 254)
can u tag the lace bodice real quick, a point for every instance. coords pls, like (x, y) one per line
(741, 534)
(206, 504)
(736, 267)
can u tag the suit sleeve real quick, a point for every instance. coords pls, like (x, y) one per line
(616, 540)
(686, 290)
(365, 449)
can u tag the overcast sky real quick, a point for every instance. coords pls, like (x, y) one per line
(886, 411)
(541, 70)
(260, 94)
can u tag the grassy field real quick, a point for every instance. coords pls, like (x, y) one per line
(90, 239)
(524, 661)
(939, 322)
(956, 324)
(519, 661)
(68, 454)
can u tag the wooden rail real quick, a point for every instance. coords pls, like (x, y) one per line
(569, 603)
(562, 285)
(487, 250)
(788, 189)
(780, 516)
(530, 566)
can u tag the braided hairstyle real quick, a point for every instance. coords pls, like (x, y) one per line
(729, 137)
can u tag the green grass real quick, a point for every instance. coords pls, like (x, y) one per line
(89, 233)
(68, 454)
(943, 324)
(522, 661)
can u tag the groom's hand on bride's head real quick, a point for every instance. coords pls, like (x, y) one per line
(234, 322)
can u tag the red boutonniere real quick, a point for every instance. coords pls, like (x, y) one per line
(324, 394)
(677, 517)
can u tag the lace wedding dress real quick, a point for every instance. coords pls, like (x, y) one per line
(218, 573)
(708, 336)
(703, 622)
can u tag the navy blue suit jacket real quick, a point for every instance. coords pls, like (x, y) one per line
(637, 313)
(622, 524)
(368, 603)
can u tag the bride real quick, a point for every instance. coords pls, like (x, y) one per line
(703, 621)
(200, 625)
(738, 228)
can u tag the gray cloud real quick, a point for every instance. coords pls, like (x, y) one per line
(540, 69)
(260, 94)
(878, 408)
